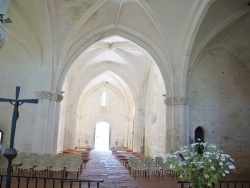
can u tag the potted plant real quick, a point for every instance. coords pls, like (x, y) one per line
(201, 164)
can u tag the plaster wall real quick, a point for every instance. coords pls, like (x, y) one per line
(219, 93)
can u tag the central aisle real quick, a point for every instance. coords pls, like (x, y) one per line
(104, 165)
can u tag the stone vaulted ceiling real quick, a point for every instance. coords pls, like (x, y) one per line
(56, 33)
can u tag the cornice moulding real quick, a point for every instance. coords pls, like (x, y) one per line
(49, 96)
(3, 35)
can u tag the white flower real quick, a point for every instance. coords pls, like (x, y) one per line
(193, 145)
(207, 163)
(231, 167)
(172, 166)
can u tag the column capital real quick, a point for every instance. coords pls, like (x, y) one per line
(3, 35)
(49, 95)
(170, 101)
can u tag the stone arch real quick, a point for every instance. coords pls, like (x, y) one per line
(84, 124)
(128, 79)
(198, 54)
(126, 33)
(198, 16)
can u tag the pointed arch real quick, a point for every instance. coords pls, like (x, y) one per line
(126, 33)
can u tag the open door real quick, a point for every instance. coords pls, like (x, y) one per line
(102, 136)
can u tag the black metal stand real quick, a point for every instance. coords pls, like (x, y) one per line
(10, 154)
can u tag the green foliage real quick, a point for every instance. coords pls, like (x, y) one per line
(200, 164)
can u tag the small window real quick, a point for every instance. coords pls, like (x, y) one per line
(199, 134)
(199, 137)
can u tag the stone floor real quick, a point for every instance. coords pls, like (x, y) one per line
(104, 165)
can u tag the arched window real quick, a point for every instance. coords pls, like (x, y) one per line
(199, 134)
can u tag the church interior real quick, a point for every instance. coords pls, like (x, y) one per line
(149, 76)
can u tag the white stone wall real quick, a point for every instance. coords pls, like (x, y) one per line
(116, 113)
(220, 104)
(155, 115)
(18, 69)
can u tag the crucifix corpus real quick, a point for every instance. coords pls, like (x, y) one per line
(11, 153)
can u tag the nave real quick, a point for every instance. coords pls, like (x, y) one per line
(104, 165)
(101, 165)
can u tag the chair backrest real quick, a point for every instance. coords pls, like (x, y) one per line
(144, 159)
(131, 161)
(2, 158)
(76, 159)
(58, 163)
(42, 163)
(22, 153)
(152, 165)
(50, 160)
(18, 159)
(165, 166)
(47, 155)
(159, 160)
(72, 165)
(139, 165)
(3, 162)
(28, 162)
(33, 154)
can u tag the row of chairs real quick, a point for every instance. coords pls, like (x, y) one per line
(146, 165)
(46, 164)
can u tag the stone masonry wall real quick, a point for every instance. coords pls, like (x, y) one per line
(219, 96)
(116, 113)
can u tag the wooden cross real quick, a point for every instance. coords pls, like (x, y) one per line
(11, 153)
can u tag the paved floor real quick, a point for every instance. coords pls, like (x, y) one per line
(104, 165)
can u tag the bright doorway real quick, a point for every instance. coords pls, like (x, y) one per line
(102, 136)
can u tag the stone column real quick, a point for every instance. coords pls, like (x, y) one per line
(177, 130)
(70, 129)
(139, 130)
(45, 125)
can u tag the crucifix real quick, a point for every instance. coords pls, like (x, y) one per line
(11, 153)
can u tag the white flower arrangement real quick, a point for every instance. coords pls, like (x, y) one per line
(200, 164)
